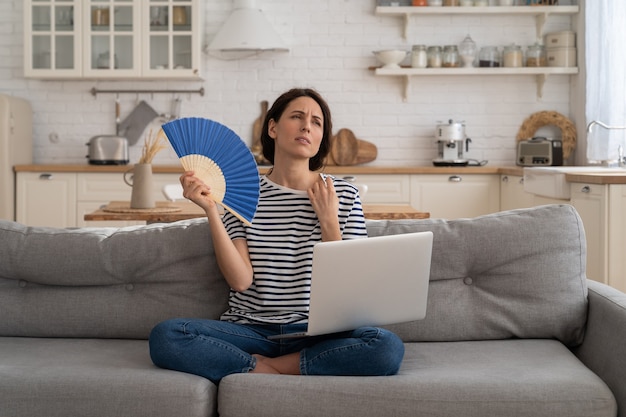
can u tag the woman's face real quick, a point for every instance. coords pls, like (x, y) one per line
(299, 131)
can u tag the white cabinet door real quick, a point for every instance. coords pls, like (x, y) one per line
(95, 190)
(592, 203)
(455, 196)
(52, 38)
(381, 189)
(512, 194)
(46, 199)
(617, 236)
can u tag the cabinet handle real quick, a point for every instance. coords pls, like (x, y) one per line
(521, 180)
(45, 177)
(350, 178)
(455, 178)
(505, 178)
(585, 189)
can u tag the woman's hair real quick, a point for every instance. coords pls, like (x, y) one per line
(276, 111)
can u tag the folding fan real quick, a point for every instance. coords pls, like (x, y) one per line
(219, 158)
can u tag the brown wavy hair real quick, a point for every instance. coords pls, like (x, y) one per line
(276, 111)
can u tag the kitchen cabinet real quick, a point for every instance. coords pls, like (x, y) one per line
(591, 203)
(602, 209)
(381, 189)
(116, 39)
(62, 199)
(512, 194)
(46, 199)
(455, 196)
(539, 13)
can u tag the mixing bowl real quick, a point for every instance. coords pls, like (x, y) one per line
(391, 58)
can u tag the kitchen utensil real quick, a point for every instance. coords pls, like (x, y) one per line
(346, 149)
(219, 158)
(117, 115)
(451, 143)
(257, 127)
(391, 58)
(107, 150)
(135, 123)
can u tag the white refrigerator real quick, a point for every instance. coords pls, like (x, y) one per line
(16, 147)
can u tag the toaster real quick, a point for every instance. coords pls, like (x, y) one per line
(540, 152)
(107, 150)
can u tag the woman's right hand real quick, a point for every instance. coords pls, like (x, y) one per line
(197, 191)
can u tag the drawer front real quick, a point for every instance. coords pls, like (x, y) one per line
(382, 189)
(111, 187)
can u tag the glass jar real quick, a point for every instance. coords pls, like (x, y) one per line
(481, 3)
(512, 56)
(435, 3)
(467, 51)
(450, 2)
(450, 57)
(434, 56)
(536, 56)
(419, 57)
(489, 56)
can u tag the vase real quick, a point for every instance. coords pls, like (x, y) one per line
(142, 196)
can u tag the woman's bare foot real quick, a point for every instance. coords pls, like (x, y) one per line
(287, 364)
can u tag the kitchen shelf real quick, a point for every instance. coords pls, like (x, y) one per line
(541, 13)
(541, 73)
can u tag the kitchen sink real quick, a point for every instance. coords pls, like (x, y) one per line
(551, 182)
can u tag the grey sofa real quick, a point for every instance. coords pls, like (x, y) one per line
(513, 327)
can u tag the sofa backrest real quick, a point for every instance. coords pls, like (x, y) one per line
(513, 274)
(106, 282)
(518, 273)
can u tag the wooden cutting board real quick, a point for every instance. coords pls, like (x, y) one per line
(347, 149)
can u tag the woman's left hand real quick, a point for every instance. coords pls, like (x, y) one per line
(326, 205)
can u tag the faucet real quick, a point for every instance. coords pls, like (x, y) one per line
(621, 160)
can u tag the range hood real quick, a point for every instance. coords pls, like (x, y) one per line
(246, 32)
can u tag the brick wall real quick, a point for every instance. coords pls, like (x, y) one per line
(331, 43)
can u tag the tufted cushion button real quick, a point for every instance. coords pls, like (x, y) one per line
(468, 281)
(22, 283)
(130, 287)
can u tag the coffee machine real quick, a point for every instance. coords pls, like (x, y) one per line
(451, 144)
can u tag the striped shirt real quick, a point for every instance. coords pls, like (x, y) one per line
(280, 242)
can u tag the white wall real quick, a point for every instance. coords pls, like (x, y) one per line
(331, 43)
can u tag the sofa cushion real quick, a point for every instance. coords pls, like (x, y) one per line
(106, 282)
(513, 378)
(518, 273)
(88, 377)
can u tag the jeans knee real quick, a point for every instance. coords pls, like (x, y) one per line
(160, 339)
(389, 350)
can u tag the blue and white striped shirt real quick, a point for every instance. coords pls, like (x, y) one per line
(280, 242)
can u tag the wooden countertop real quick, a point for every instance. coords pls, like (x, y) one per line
(591, 177)
(335, 170)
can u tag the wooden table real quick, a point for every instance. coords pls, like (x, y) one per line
(167, 211)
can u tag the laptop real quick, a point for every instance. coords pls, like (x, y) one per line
(373, 281)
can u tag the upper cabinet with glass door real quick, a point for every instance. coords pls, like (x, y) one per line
(113, 39)
(52, 41)
(172, 39)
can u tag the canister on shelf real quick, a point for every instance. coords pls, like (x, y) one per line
(434, 56)
(489, 57)
(450, 2)
(481, 3)
(536, 56)
(512, 56)
(435, 2)
(419, 57)
(450, 57)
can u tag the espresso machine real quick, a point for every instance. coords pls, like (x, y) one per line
(451, 144)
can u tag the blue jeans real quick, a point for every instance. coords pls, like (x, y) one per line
(214, 349)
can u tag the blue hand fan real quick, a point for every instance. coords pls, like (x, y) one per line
(219, 158)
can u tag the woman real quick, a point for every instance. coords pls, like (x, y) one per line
(268, 264)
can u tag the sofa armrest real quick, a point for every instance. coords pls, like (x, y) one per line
(603, 348)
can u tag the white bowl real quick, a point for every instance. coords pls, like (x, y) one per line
(391, 58)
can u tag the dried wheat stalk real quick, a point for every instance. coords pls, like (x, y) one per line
(152, 146)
